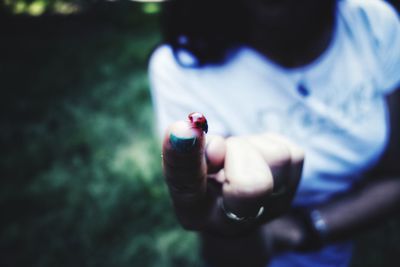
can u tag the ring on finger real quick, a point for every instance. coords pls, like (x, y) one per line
(232, 216)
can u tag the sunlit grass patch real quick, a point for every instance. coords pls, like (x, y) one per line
(39, 7)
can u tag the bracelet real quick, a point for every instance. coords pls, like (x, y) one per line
(315, 228)
(318, 223)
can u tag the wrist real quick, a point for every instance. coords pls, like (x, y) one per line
(284, 233)
(314, 227)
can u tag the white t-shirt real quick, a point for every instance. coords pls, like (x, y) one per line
(342, 124)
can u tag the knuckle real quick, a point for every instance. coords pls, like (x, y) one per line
(233, 141)
(294, 152)
(248, 189)
(298, 154)
(280, 155)
(186, 192)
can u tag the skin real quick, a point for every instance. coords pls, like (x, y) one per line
(216, 169)
(195, 191)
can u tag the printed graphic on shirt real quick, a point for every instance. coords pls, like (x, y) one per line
(334, 113)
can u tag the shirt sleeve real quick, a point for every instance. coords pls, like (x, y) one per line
(384, 24)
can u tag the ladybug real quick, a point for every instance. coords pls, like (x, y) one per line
(198, 121)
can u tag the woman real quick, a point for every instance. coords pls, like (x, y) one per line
(280, 81)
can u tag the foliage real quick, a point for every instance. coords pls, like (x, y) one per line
(65, 7)
(81, 179)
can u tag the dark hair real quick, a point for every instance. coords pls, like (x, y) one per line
(208, 29)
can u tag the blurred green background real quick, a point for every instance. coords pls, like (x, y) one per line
(80, 165)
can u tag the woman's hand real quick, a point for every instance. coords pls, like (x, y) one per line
(228, 185)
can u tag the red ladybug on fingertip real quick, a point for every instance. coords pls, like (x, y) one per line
(198, 121)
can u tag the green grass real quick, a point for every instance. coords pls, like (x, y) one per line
(81, 172)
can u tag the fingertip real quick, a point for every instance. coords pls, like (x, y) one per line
(184, 129)
(215, 153)
(182, 137)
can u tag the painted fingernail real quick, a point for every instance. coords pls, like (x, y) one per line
(182, 144)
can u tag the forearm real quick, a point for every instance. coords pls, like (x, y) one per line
(365, 206)
(339, 219)
(371, 204)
